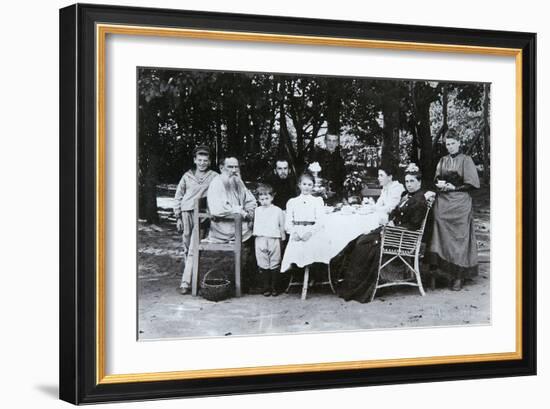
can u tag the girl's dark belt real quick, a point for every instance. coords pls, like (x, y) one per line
(303, 223)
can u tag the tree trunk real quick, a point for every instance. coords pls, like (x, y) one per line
(219, 139)
(148, 161)
(233, 140)
(475, 140)
(439, 148)
(414, 152)
(422, 97)
(415, 147)
(445, 126)
(269, 139)
(486, 135)
(334, 104)
(285, 144)
(299, 142)
(317, 123)
(390, 144)
(273, 104)
(148, 207)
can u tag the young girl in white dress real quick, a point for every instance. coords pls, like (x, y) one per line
(304, 219)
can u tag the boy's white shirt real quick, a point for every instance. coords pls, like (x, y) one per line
(269, 221)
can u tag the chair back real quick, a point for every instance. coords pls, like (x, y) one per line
(429, 204)
(403, 241)
(201, 208)
(202, 216)
(400, 240)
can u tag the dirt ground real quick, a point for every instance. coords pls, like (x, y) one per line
(164, 313)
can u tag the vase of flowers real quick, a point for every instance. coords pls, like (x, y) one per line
(353, 184)
(315, 169)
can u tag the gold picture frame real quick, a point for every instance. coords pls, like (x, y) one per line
(95, 24)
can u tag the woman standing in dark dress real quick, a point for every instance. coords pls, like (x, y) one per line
(359, 259)
(453, 246)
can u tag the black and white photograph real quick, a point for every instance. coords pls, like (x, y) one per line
(276, 203)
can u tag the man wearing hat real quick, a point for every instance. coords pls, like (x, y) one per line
(193, 185)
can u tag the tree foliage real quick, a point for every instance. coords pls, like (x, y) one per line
(259, 117)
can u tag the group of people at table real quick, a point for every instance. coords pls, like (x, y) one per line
(288, 226)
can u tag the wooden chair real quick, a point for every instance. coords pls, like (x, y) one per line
(402, 244)
(200, 213)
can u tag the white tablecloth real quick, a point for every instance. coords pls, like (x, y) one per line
(338, 230)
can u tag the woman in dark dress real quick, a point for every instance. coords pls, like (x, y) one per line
(358, 266)
(453, 246)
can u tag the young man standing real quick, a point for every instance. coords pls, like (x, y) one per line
(193, 185)
(332, 164)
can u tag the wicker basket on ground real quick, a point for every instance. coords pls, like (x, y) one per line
(215, 287)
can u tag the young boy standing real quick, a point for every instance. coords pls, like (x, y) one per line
(269, 229)
(193, 185)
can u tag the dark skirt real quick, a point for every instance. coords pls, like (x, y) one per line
(453, 245)
(357, 265)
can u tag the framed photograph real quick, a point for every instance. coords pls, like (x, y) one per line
(257, 203)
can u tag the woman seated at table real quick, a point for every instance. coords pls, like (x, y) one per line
(390, 195)
(359, 260)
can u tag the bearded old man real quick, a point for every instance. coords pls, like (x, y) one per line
(227, 195)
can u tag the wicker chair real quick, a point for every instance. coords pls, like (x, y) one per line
(199, 215)
(404, 245)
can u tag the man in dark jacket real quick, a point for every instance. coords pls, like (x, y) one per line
(332, 164)
(282, 182)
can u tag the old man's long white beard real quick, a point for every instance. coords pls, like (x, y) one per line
(235, 188)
